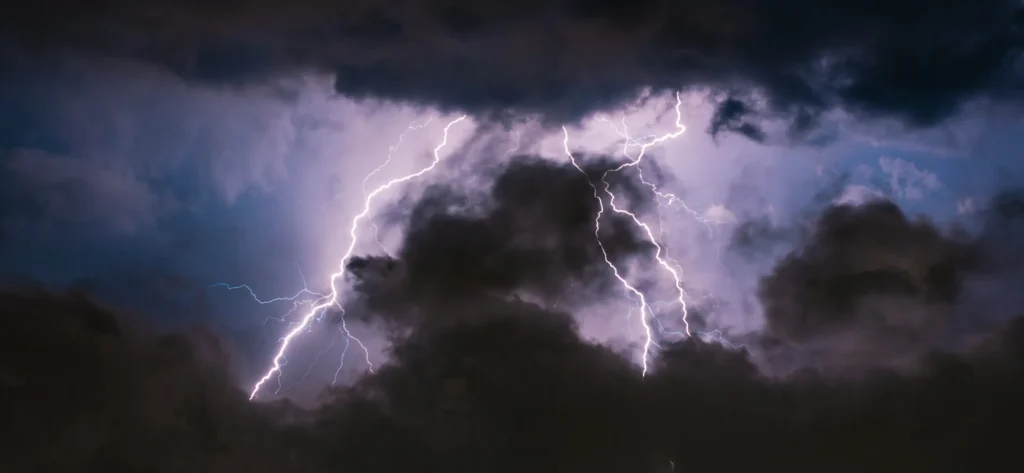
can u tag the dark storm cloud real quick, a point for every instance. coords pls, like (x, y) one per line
(512, 390)
(85, 389)
(864, 286)
(734, 115)
(856, 252)
(905, 59)
(533, 231)
(496, 383)
(506, 385)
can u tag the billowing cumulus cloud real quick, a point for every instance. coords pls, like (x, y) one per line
(533, 231)
(794, 60)
(868, 285)
(508, 385)
(153, 150)
(906, 180)
(966, 206)
(855, 252)
(100, 392)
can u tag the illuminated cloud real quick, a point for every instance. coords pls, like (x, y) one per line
(224, 143)
(965, 206)
(719, 214)
(906, 180)
(855, 194)
(499, 384)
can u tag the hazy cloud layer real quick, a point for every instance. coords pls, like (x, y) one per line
(140, 122)
(83, 192)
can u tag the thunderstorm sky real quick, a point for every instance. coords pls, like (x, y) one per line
(175, 163)
(184, 187)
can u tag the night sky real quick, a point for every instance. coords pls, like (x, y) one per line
(643, 236)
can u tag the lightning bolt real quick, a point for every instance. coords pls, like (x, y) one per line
(647, 312)
(391, 151)
(296, 299)
(515, 146)
(644, 308)
(628, 141)
(333, 299)
(635, 162)
(304, 291)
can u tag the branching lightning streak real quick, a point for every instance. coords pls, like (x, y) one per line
(391, 151)
(635, 162)
(671, 198)
(312, 365)
(348, 339)
(515, 147)
(333, 299)
(647, 312)
(644, 309)
(295, 300)
(717, 336)
(268, 301)
(628, 141)
(305, 290)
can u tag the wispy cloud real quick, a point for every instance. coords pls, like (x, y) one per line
(906, 180)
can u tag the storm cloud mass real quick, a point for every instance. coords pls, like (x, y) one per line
(534, 231)
(479, 378)
(856, 311)
(794, 60)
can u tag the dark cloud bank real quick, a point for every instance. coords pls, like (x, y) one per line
(481, 380)
(912, 60)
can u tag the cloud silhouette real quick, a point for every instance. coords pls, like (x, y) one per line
(531, 233)
(514, 390)
(481, 379)
(794, 60)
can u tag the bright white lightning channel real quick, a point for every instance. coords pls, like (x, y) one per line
(332, 299)
(646, 309)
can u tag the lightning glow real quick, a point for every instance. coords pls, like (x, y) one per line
(304, 291)
(647, 312)
(333, 299)
(649, 317)
(644, 308)
(515, 146)
(635, 162)
(391, 151)
(266, 301)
